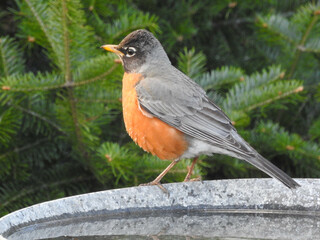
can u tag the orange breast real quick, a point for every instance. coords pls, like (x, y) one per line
(149, 132)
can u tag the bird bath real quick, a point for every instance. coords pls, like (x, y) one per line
(224, 209)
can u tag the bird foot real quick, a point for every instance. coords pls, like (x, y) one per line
(193, 179)
(153, 183)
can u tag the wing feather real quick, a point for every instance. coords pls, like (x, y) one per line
(182, 103)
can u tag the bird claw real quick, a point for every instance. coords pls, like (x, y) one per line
(153, 183)
(193, 179)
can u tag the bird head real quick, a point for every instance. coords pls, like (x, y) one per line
(140, 52)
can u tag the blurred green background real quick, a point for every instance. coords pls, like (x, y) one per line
(61, 128)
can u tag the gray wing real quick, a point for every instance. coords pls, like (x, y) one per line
(180, 102)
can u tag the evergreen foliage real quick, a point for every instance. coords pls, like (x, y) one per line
(61, 128)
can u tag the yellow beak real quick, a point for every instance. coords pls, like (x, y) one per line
(112, 48)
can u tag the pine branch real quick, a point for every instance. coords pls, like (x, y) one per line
(94, 79)
(58, 20)
(192, 63)
(302, 45)
(280, 27)
(239, 93)
(68, 80)
(74, 115)
(270, 100)
(313, 46)
(37, 188)
(24, 148)
(258, 90)
(127, 23)
(302, 17)
(220, 77)
(261, 96)
(303, 24)
(11, 61)
(64, 20)
(39, 20)
(314, 130)
(147, 22)
(26, 192)
(38, 10)
(290, 144)
(95, 67)
(41, 117)
(24, 81)
(10, 121)
(3, 59)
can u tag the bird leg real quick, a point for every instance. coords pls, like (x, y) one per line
(161, 175)
(190, 169)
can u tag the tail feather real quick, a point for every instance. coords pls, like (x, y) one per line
(273, 171)
(250, 155)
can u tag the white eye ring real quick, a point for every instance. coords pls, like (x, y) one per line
(130, 52)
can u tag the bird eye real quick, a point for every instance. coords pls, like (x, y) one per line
(131, 51)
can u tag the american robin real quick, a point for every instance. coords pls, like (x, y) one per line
(169, 115)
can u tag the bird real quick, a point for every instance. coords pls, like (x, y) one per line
(169, 115)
